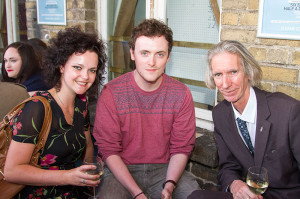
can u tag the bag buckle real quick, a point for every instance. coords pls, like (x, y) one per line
(2, 174)
(6, 120)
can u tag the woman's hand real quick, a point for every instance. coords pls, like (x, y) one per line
(79, 177)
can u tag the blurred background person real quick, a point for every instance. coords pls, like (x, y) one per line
(21, 65)
(39, 48)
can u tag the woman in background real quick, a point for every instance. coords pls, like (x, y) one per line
(73, 63)
(20, 65)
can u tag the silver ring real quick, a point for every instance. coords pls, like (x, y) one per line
(83, 181)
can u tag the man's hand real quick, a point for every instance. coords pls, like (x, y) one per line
(240, 190)
(167, 191)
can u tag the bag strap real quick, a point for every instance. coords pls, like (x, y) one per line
(45, 128)
(15, 110)
(44, 131)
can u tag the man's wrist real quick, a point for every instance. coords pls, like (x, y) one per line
(137, 195)
(231, 186)
(169, 181)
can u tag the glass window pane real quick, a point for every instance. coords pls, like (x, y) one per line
(192, 22)
(122, 18)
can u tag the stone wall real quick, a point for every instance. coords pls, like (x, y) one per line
(203, 162)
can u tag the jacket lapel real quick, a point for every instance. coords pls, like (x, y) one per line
(262, 127)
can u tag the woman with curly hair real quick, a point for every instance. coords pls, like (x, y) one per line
(73, 62)
(21, 65)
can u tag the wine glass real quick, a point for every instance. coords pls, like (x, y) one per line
(96, 161)
(257, 180)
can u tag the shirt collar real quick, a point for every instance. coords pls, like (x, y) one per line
(249, 113)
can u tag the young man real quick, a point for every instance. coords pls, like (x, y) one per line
(272, 122)
(145, 124)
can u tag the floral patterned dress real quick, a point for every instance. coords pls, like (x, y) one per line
(64, 147)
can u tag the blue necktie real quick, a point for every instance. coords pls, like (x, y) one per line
(244, 131)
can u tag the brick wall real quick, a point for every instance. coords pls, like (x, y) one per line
(79, 12)
(279, 59)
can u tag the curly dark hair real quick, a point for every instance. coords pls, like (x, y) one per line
(152, 28)
(69, 41)
(29, 65)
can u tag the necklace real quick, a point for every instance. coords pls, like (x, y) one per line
(71, 116)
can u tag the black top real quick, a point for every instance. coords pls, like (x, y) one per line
(65, 144)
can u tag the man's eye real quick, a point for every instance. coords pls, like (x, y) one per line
(144, 53)
(234, 72)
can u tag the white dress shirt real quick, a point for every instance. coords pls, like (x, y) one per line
(249, 115)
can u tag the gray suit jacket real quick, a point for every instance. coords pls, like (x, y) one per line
(277, 144)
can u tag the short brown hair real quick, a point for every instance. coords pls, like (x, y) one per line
(152, 28)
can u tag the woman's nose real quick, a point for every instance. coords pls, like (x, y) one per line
(84, 74)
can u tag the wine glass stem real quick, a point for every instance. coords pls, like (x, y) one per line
(94, 191)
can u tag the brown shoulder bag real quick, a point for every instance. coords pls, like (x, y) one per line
(7, 189)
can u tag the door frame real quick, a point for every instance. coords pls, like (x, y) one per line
(11, 21)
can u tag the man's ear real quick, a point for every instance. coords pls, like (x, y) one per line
(132, 54)
(168, 57)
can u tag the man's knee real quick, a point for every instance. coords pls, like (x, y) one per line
(185, 186)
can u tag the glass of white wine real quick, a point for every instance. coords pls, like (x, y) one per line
(257, 179)
(96, 161)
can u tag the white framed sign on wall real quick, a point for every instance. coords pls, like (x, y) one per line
(51, 12)
(279, 19)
